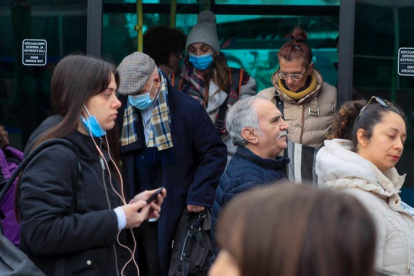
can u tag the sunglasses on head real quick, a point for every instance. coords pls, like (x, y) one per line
(382, 102)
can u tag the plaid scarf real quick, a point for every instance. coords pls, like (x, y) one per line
(194, 85)
(160, 134)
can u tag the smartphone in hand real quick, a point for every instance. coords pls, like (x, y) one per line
(152, 197)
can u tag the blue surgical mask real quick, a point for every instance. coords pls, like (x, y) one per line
(201, 62)
(142, 101)
(92, 125)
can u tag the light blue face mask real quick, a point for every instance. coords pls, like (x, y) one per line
(201, 62)
(92, 126)
(142, 101)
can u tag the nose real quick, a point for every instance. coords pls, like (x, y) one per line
(117, 103)
(289, 79)
(399, 144)
(284, 125)
(199, 52)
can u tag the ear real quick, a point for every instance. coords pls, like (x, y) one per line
(249, 135)
(157, 81)
(362, 138)
(311, 66)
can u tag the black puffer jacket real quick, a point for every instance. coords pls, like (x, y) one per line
(58, 241)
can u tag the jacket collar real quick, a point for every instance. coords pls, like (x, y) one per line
(277, 164)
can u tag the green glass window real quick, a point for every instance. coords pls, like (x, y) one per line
(24, 89)
(280, 2)
(381, 29)
(250, 42)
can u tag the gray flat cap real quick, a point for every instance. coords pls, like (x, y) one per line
(134, 72)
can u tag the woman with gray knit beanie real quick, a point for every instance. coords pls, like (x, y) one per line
(206, 76)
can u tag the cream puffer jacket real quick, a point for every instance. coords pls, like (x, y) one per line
(339, 168)
(309, 118)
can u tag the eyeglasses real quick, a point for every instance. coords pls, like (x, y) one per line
(382, 102)
(294, 77)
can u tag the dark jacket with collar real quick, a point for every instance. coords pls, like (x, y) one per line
(246, 170)
(198, 159)
(57, 240)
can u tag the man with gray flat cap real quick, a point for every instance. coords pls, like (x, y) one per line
(167, 139)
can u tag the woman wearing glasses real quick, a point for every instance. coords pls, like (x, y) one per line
(307, 101)
(364, 166)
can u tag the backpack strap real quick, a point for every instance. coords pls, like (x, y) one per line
(176, 80)
(236, 78)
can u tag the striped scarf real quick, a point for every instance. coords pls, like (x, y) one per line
(160, 134)
(194, 85)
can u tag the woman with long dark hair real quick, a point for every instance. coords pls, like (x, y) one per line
(71, 206)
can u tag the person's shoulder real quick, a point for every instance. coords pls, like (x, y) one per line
(59, 154)
(328, 88)
(47, 124)
(183, 99)
(267, 93)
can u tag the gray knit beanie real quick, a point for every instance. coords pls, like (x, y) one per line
(204, 32)
(134, 72)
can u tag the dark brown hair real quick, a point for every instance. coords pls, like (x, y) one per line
(344, 120)
(75, 79)
(162, 41)
(290, 230)
(349, 119)
(296, 48)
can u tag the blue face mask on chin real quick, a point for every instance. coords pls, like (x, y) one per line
(92, 125)
(142, 101)
(201, 62)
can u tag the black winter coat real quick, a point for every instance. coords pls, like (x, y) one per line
(58, 241)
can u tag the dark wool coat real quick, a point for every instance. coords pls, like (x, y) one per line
(198, 160)
(58, 241)
(246, 170)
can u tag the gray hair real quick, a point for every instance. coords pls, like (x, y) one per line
(240, 115)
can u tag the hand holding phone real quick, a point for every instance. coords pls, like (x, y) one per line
(153, 197)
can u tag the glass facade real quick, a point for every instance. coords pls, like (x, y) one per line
(280, 2)
(238, 2)
(24, 89)
(250, 42)
(381, 29)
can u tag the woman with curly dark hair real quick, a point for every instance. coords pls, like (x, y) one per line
(165, 46)
(369, 142)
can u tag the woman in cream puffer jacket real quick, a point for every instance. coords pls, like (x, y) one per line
(340, 168)
(364, 166)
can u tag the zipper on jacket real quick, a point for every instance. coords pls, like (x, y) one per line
(303, 124)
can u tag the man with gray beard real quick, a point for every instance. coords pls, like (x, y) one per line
(256, 126)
